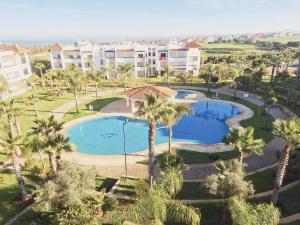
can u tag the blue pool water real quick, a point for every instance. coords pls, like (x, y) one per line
(182, 94)
(104, 136)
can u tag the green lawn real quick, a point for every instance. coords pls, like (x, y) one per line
(96, 103)
(126, 187)
(191, 157)
(10, 196)
(288, 201)
(3, 158)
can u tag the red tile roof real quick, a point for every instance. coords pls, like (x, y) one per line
(192, 45)
(14, 48)
(56, 46)
(139, 93)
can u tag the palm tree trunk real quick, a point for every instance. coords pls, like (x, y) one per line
(41, 158)
(124, 84)
(272, 74)
(241, 157)
(267, 118)
(151, 139)
(17, 124)
(76, 101)
(19, 176)
(284, 160)
(53, 163)
(170, 137)
(36, 111)
(298, 71)
(234, 93)
(96, 89)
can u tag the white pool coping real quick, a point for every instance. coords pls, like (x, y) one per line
(132, 158)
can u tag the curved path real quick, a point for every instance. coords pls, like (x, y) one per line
(195, 172)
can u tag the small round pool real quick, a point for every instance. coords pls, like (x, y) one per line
(104, 136)
(184, 95)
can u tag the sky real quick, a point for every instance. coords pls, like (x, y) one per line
(125, 19)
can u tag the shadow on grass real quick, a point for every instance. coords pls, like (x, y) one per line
(106, 183)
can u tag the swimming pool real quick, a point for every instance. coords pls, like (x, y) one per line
(104, 136)
(184, 95)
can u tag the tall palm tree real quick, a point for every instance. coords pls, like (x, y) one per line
(60, 143)
(36, 145)
(40, 67)
(207, 73)
(167, 70)
(47, 129)
(75, 85)
(158, 206)
(289, 131)
(12, 111)
(4, 87)
(96, 78)
(10, 144)
(153, 109)
(243, 141)
(170, 120)
(125, 70)
(275, 62)
(33, 101)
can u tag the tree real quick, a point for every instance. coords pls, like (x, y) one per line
(9, 145)
(167, 71)
(33, 101)
(170, 120)
(40, 67)
(36, 145)
(4, 87)
(96, 78)
(46, 130)
(243, 213)
(169, 161)
(75, 85)
(289, 131)
(125, 71)
(12, 111)
(207, 73)
(157, 207)
(297, 55)
(70, 187)
(153, 110)
(275, 61)
(243, 141)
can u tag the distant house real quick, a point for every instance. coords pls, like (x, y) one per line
(139, 94)
(146, 59)
(14, 68)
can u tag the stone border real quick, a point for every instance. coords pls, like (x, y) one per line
(107, 160)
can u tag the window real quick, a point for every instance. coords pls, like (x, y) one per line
(154, 62)
(140, 55)
(23, 59)
(101, 62)
(149, 54)
(25, 71)
(110, 54)
(153, 54)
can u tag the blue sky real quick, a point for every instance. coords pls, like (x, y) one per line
(106, 19)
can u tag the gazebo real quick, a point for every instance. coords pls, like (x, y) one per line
(139, 94)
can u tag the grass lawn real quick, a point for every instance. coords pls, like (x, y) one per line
(257, 121)
(104, 182)
(288, 201)
(126, 187)
(3, 158)
(10, 196)
(190, 157)
(96, 103)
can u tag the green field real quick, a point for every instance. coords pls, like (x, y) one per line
(281, 39)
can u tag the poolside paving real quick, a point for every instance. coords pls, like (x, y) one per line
(195, 172)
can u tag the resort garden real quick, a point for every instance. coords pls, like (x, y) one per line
(219, 148)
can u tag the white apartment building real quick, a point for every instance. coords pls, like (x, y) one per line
(149, 59)
(15, 68)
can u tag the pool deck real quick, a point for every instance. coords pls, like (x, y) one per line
(119, 108)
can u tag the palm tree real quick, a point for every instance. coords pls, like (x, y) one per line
(167, 70)
(153, 110)
(171, 119)
(125, 71)
(297, 55)
(10, 144)
(40, 67)
(85, 79)
(46, 130)
(97, 79)
(148, 68)
(207, 73)
(4, 87)
(33, 101)
(75, 86)
(275, 62)
(12, 111)
(158, 206)
(243, 141)
(35, 144)
(269, 102)
(289, 131)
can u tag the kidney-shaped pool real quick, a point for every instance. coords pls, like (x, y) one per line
(104, 136)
